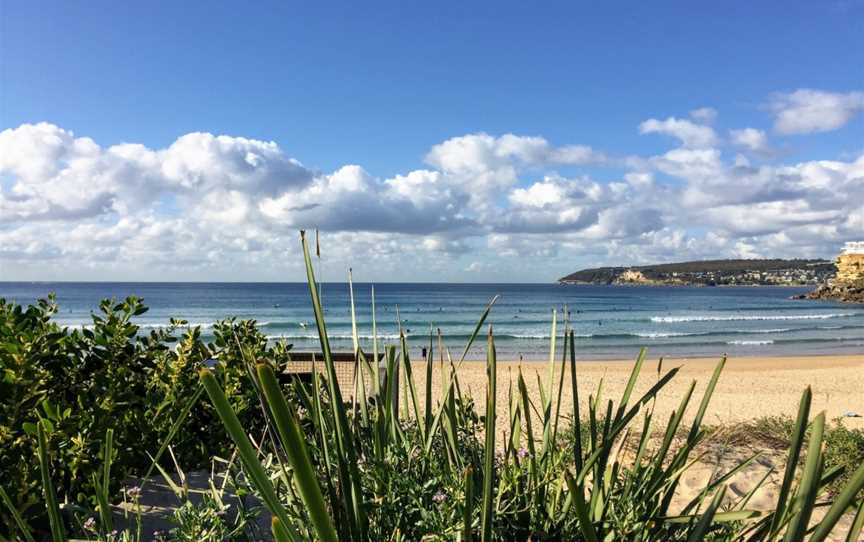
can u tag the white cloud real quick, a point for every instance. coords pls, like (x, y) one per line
(704, 115)
(751, 139)
(806, 111)
(494, 162)
(691, 134)
(208, 207)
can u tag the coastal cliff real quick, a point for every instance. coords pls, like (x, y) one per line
(848, 284)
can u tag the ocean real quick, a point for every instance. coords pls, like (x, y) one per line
(610, 322)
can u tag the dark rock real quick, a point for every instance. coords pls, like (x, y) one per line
(847, 292)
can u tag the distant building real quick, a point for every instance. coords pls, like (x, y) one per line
(853, 247)
(850, 262)
(631, 276)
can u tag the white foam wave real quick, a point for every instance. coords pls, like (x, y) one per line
(741, 317)
(310, 336)
(750, 343)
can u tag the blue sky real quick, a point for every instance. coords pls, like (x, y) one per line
(380, 85)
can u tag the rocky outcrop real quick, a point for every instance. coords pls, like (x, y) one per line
(848, 292)
(848, 284)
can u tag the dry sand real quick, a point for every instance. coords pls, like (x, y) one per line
(749, 388)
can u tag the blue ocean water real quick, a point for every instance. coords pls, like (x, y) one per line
(609, 321)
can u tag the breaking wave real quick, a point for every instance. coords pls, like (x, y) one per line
(741, 317)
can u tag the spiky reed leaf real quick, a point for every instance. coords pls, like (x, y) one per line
(23, 528)
(489, 451)
(294, 445)
(346, 454)
(808, 488)
(247, 453)
(795, 445)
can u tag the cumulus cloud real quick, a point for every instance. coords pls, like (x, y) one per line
(218, 206)
(493, 163)
(806, 111)
(59, 176)
(751, 139)
(691, 134)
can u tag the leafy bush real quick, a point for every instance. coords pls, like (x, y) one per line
(111, 375)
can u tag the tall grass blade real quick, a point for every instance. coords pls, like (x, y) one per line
(795, 445)
(631, 382)
(175, 428)
(102, 487)
(842, 501)
(16, 516)
(358, 369)
(577, 422)
(279, 532)
(410, 385)
(706, 398)
(704, 523)
(556, 416)
(468, 508)
(526, 413)
(553, 338)
(58, 533)
(246, 451)
(581, 508)
(477, 329)
(427, 412)
(346, 457)
(376, 363)
(489, 450)
(355, 340)
(857, 526)
(295, 448)
(809, 485)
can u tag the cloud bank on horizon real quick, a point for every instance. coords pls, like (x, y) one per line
(482, 207)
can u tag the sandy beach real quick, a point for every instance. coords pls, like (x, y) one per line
(749, 388)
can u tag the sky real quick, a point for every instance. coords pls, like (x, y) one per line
(469, 142)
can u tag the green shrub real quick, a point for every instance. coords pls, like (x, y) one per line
(111, 375)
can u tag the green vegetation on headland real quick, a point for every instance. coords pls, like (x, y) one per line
(82, 409)
(710, 273)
